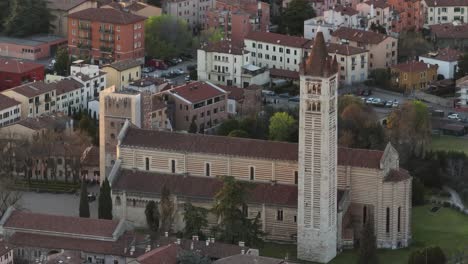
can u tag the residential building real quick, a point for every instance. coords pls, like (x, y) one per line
(313, 25)
(462, 91)
(276, 50)
(446, 60)
(378, 12)
(450, 35)
(115, 106)
(149, 84)
(6, 252)
(10, 111)
(327, 193)
(105, 35)
(192, 11)
(352, 63)
(444, 11)
(60, 9)
(225, 63)
(32, 128)
(35, 236)
(155, 112)
(200, 102)
(244, 101)
(89, 162)
(135, 7)
(411, 76)
(121, 73)
(238, 18)
(32, 48)
(36, 98)
(69, 96)
(409, 15)
(382, 48)
(16, 72)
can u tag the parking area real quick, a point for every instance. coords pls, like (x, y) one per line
(177, 74)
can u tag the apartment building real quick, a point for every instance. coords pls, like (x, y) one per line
(121, 73)
(382, 48)
(69, 96)
(105, 35)
(192, 11)
(135, 7)
(377, 12)
(32, 48)
(450, 35)
(224, 63)
(411, 76)
(16, 72)
(238, 18)
(276, 50)
(10, 110)
(60, 9)
(409, 15)
(446, 60)
(201, 102)
(352, 62)
(444, 11)
(36, 98)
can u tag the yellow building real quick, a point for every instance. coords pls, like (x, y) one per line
(410, 76)
(121, 73)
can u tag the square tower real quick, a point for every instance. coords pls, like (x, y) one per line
(317, 201)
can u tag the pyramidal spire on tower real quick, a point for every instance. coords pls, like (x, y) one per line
(319, 63)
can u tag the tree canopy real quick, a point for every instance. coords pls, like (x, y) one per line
(292, 20)
(27, 17)
(195, 219)
(281, 126)
(62, 63)
(167, 209)
(367, 246)
(84, 203)
(167, 37)
(152, 216)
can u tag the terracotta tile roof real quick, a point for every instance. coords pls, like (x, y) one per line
(116, 248)
(147, 81)
(33, 89)
(235, 93)
(124, 64)
(69, 225)
(364, 158)
(7, 102)
(279, 39)
(412, 66)
(65, 257)
(439, 3)
(134, 6)
(449, 30)
(18, 66)
(164, 255)
(446, 54)
(378, 3)
(344, 49)
(319, 63)
(249, 259)
(90, 157)
(107, 15)
(66, 86)
(4, 247)
(45, 122)
(346, 10)
(397, 175)
(281, 73)
(200, 187)
(223, 46)
(358, 35)
(240, 147)
(64, 5)
(197, 91)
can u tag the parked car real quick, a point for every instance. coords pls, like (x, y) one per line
(389, 103)
(454, 116)
(438, 113)
(294, 99)
(376, 101)
(148, 69)
(180, 71)
(187, 78)
(369, 100)
(157, 64)
(395, 104)
(91, 197)
(284, 95)
(366, 92)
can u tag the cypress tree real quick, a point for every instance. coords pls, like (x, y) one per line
(368, 247)
(105, 201)
(84, 204)
(152, 216)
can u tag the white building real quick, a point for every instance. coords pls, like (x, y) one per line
(6, 253)
(192, 11)
(69, 95)
(10, 112)
(225, 64)
(444, 11)
(462, 89)
(377, 12)
(276, 50)
(313, 25)
(352, 62)
(93, 80)
(446, 59)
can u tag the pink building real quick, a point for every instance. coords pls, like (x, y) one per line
(238, 18)
(31, 48)
(410, 15)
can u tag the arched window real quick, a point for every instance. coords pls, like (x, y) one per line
(147, 163)
(364, 215)
(117, 200)
(252, 173)
(207, 169)
(387, 222)
(399, 219)
(134, 202)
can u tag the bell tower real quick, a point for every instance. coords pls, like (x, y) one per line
(317, 201)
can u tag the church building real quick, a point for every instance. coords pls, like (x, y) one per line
(313, 193)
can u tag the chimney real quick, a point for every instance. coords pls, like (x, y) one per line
(195, 238)
(166, 234)
(242, 252)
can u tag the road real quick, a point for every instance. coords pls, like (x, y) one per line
(60, 204)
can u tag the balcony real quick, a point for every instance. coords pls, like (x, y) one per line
(84, 46)
(106, 30)
(84, 27)
(107, 40)
(105, 49)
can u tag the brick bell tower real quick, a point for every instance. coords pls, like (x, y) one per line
(317, 200)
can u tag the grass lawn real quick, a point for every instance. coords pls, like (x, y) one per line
(446, 228)
(449, 143)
